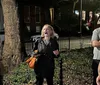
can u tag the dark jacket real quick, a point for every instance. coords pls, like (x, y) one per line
(45, 63)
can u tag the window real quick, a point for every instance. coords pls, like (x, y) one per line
(26, 14)
(38, 14)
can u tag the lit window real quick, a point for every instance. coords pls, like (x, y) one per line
(83, 15)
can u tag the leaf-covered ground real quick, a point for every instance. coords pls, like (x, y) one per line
(76, 70)
(77, 67)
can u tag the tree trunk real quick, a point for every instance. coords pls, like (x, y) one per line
(12, 45)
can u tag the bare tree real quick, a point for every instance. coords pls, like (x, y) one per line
(12, 45)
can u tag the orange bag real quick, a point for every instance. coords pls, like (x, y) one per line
(31, 61)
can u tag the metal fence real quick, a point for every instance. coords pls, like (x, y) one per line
(67, 43)
(74, 43)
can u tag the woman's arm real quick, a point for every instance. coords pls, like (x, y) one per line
(55, 46)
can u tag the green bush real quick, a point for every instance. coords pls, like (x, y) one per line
(20, 75)
(76, 70)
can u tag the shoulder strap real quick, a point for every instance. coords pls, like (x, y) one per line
(36, 43)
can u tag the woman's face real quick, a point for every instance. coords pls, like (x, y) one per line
(47, 31)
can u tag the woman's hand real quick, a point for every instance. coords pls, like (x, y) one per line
(56, 52)
(98, 80)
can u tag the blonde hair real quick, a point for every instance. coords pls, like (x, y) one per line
(49, 26)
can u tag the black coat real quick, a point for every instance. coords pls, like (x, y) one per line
(45, 63)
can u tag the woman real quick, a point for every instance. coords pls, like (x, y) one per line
(48, 49)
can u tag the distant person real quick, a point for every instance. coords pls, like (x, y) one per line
(48, 49)
(95, 41)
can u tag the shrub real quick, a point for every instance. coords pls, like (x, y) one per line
(76, 70)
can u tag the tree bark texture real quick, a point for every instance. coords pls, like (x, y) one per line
(12, 45)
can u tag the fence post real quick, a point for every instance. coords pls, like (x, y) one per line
(61, 72)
